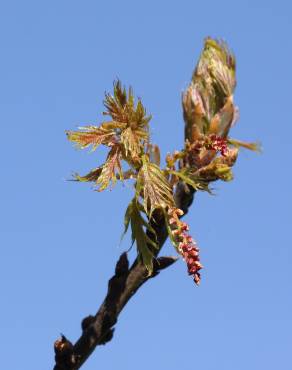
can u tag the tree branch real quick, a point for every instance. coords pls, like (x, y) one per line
(209, 113)
(98, 329)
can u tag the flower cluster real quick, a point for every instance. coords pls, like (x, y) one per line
(219, 144)
(184, 243)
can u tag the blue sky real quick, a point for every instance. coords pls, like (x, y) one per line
(60, 240)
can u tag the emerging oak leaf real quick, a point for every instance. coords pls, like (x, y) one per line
(121, 107)
(126, 136)
(153, 187)
(92, 135)
(110, 169)
(132, 141)
(92, 176)
(115, 105)
(129, 125)
(139, 227)
(185, 175)
(135, 132)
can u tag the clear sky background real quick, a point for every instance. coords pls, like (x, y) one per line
(60, 240)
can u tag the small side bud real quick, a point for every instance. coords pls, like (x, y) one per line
(86, 322)
(122, 265)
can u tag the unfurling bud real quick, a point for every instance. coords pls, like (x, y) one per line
(208, 101)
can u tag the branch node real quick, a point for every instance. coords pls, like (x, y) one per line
(162, 263)
(87, 321)
(107, 337)
(64, 354)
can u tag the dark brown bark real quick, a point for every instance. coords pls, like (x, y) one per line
(99, 329)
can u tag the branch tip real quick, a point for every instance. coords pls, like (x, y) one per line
(164, 262)
(122, 266)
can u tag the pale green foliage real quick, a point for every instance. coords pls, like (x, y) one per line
(153, 187)
(188, 177)
(92, 176)
(256, 147)
(127, 134)
(139, 228)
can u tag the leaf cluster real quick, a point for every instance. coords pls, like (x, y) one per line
(126, 135)
(208, 154)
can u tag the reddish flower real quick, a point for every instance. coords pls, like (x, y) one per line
(219, 144)
(186, 246)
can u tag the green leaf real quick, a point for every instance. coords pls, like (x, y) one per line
(256, 147)
(127, 218)
(186, 176)
(113, 125)
(92, 176)
(218, 169)
(224, 172)
(153, 187)
(139, 227)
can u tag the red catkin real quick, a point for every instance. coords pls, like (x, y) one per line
(186, 245)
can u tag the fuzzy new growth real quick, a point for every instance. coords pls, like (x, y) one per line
(207, 156)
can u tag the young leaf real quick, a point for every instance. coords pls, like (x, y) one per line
(154, 187)
(251, 146)
(92, 135)
(186, 176)
(139, 227)
(133, 122)
(127, 218)
(115, 104)
(133, 141)
(218, 169)
(110, 169)
(121, 107)
(92, 176)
